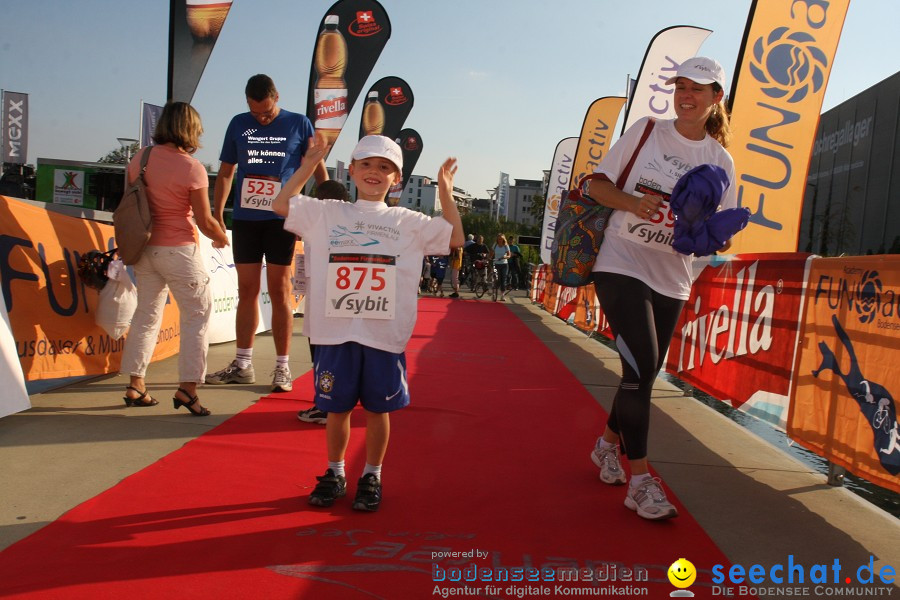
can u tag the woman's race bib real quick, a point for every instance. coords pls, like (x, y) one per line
(656, 232)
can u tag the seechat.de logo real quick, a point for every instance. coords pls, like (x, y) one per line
(795, 579)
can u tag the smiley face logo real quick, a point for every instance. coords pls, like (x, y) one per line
(682, 573)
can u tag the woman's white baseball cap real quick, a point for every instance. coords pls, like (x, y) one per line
(379, 146)
(700, 69)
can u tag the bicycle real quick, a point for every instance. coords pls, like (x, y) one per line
(480, 275)
(494, 281)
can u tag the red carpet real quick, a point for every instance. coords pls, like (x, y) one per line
(492, 456)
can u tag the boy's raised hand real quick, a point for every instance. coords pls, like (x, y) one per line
(316, 149)
(447, 171)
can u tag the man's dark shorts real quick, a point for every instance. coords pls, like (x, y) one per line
(250, 240)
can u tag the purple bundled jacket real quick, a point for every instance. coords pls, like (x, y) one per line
(700, 229)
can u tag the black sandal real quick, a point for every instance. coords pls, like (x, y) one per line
(139, 401)
(203, 412)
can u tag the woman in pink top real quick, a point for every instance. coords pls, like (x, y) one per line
(177, 188)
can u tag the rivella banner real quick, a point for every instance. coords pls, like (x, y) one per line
(51, 312)
(411, 148)
(736, 335)
(776, 98)
(352, 35)
(388, 103)
(194, 27)
(560, 176)
(596, 136)
(15, 128)
(667, 50)
(846, 375)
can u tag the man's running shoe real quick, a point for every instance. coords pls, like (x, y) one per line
(330, 488)
(281, 379)
(232, 374)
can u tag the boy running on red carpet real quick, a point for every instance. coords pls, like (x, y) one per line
(364, 261)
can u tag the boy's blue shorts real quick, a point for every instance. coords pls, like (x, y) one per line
(351, 372)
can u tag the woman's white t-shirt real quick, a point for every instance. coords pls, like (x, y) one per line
(643, 248)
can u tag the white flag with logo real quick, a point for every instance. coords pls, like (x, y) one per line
(666, 51)
(15, 128)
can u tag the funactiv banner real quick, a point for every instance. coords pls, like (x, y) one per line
(15, 128)
(388, 103)
(736, 336)
(352, 35)
(194, 27)
(560, 175)
(51, 312)
(596, 136)
(665, 53)
(776, 98)
(846, 375)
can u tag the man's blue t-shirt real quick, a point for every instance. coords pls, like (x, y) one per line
(266, 157)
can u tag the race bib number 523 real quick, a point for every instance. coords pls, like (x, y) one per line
(258, 193)
(361, 285)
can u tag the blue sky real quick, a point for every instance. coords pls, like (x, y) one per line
(495, 81)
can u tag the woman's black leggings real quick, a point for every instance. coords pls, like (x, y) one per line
(642, 322)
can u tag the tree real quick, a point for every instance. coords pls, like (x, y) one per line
(119, 156)
(536, 210)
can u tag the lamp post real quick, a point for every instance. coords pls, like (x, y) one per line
(126, 146)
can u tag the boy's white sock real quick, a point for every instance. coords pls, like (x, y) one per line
(375, 470)
(337, 467)
(282, 361)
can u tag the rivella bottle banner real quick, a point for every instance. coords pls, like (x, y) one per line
(351, 36)
(388, 103)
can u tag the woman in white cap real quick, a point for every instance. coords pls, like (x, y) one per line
(641, 282)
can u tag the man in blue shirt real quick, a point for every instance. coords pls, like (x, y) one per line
(263, 147)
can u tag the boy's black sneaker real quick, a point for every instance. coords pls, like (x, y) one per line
(368, 493)
(330, 488)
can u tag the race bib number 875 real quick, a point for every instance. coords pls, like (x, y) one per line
(361, 285)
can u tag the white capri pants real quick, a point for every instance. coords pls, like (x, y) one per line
(179, 269)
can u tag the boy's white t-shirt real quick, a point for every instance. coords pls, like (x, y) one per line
(364, 261)
(641, 248)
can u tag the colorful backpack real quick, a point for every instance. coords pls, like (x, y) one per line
(580, 226)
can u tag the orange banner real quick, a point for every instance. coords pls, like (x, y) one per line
(842, 405)
(776, 100)
(596, 136)
(51, 312)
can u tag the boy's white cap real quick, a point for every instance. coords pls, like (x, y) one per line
(378, 146)
(700, 69)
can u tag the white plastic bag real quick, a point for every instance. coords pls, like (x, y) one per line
(118, 300)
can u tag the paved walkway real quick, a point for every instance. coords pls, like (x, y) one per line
(759, 504)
